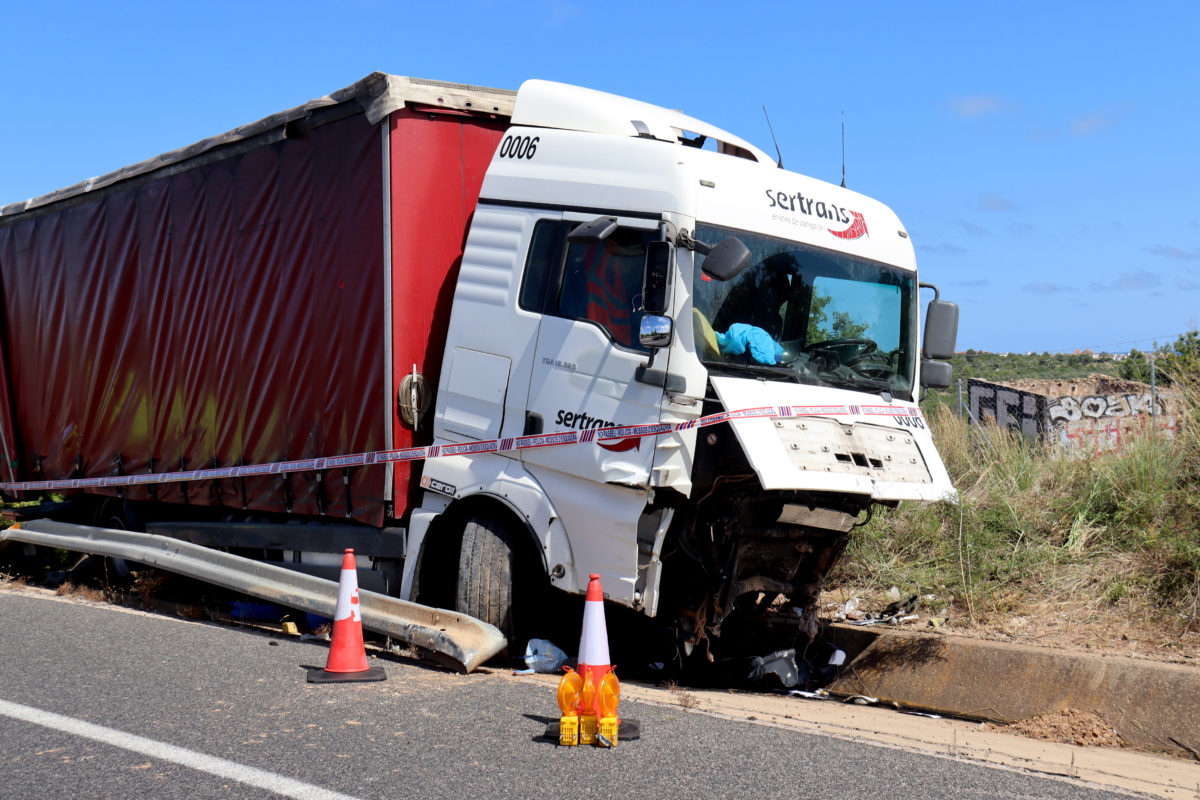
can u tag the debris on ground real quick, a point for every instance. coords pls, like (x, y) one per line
(542, 655)
(849, 610)
(897, 612)
(777, 666)
(898, 608)
(779, 669)
(784, 669)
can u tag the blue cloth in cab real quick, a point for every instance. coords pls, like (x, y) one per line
(741, 337)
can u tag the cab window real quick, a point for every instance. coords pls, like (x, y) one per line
(599, 283)
(602, 283)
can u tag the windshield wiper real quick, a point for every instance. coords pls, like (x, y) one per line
(877, 384)
(768, 370)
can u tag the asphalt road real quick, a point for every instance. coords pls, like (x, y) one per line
(99, 702)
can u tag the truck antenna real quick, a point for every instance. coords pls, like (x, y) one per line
(773, 139)
(843, 148)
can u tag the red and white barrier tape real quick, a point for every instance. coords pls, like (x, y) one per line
(470, 448)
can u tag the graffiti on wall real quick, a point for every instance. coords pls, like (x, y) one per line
(1080, 423)
(1096, 423)
(1008, 407)
(1070, 409)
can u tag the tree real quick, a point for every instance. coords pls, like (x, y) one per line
(822, 329)
(1172, 362)
(845, 327)
(1135, 367)
(1181, 359)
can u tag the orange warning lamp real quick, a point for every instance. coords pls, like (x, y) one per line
(588, 697)
(608, 696)
(587, 716)
(569, 688)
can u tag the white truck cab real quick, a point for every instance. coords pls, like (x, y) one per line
(559, 324)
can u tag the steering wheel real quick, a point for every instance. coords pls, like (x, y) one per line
(847, 351)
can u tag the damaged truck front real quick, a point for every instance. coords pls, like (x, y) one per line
(628, 265)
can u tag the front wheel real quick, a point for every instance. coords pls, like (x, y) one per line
(486, 565)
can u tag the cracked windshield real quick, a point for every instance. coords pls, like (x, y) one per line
(809, 315)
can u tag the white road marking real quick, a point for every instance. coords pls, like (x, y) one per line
(220, 767)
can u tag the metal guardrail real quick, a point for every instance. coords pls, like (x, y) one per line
(463, 641)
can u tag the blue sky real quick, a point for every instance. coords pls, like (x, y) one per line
(1043, 156)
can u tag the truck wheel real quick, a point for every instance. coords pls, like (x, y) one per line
(486, 565)
(115, 515)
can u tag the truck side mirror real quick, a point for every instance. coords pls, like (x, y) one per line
(655, 331)
(594, 231)
(936, 374)
(725, 261)
(941, 329)
(658, 273)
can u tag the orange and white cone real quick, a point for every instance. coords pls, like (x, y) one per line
(347, 656)
(594, 661)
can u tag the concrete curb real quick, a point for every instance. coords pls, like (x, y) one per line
(1149, 704)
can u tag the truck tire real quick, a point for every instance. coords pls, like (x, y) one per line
(116, 515)
(486, 565)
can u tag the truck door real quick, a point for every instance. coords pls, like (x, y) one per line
(584, 378)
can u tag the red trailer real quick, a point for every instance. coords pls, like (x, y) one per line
(255, 298)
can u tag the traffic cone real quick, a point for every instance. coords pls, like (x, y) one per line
(593, 644)
(597, 721)
(347, 656)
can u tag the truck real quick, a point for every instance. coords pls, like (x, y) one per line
(496, 342)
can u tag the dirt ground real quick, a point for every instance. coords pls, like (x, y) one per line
(1114, 630)
(1069, 727)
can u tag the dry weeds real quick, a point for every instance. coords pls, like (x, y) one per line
(89, 593)
(16, 583)
(682, 696)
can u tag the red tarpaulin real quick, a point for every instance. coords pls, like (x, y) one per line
(232, 312)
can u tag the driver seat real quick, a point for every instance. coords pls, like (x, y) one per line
(705, 333)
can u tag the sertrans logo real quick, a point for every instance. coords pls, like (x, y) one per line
(798, 203)
(585, 422)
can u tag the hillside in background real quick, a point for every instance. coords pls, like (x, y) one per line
(1182, 356)
(1003, 367)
